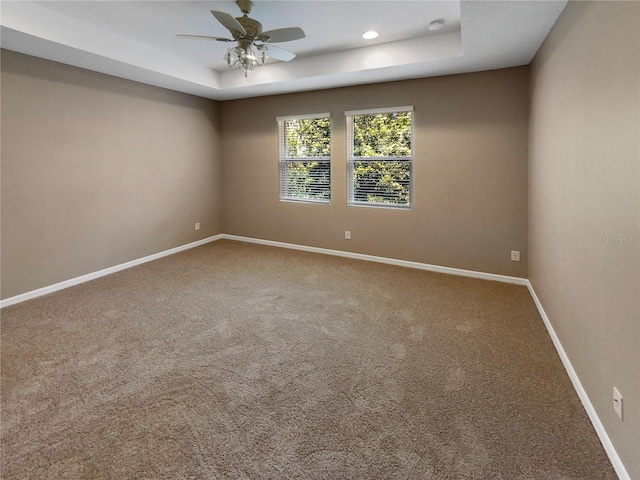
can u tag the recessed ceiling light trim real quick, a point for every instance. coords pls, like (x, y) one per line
(370, 34)
(436, 25)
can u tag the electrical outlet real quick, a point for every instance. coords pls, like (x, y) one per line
(197, 226)
(347, 235)
(515, 255)
(617, 402)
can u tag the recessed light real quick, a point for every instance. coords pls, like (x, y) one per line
(436, 25)
(370, 34)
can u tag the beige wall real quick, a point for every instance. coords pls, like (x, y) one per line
(470, 172)
(97, 171)
(584, 200)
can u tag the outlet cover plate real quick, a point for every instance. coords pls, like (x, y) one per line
(617, 402)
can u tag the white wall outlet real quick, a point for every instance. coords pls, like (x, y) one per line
(617, 402)
(515, 255)
(347, 234)
(197, 226)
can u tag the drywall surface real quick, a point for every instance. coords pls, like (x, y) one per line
(469, 173)
(98, 171)
(584, 200)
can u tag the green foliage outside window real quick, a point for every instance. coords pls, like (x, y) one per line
(382, 135)
(308, 137)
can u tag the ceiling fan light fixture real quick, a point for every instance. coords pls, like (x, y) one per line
(246, 58)
(370, 34)
(262, 51)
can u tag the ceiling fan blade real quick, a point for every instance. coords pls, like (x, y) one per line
(229, 22)
(208, 37)
(282, 35)
(279, 53)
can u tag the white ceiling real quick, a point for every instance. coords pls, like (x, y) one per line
(138, 40)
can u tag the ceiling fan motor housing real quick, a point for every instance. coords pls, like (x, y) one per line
(251, 26)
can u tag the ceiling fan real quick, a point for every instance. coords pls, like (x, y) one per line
(253, 46)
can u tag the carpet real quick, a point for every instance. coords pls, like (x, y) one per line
(240, 361)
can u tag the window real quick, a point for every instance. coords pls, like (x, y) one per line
(305, 158)
(379, 157)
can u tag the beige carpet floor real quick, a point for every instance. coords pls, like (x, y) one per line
(238, 361)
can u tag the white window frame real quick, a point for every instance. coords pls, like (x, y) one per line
(284, 160)
(351, 159)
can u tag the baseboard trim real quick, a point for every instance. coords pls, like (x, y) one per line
(101, 273)
(582, 394)
(339, 253)
(389, 261)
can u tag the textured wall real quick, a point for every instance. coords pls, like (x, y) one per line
(97, 171)
(584, 197)
(470, 172)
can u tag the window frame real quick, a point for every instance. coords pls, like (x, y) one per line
(352, 159)
(284, 160)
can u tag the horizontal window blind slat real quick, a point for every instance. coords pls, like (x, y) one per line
(305, 159)
(392, 158)
(406, 206)
(351, 113)
(303, 116)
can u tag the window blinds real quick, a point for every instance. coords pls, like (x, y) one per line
(305, 158)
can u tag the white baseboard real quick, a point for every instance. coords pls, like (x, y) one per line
(100, 273)
(358, 256)
(582, 394)
(388, 261)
